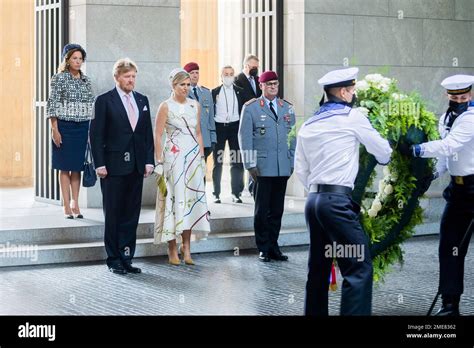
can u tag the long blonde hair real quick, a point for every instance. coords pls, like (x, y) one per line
(64, 66)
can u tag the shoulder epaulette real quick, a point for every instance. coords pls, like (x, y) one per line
(205, 88)
(251, 101)
(287, 101)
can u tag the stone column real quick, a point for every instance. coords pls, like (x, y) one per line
(146, 31)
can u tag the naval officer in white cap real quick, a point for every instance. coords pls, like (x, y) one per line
(327, 162)
(455, 153)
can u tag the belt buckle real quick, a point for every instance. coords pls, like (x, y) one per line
(459, 180)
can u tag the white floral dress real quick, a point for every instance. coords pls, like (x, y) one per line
(181, 198)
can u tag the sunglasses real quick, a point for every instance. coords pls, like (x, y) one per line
(272, 84)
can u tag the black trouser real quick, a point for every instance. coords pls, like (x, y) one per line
(269, 194)
(334, 218)
(207, 153)
(457, 216)
(228, 132)
(121, 197)
(250, 185)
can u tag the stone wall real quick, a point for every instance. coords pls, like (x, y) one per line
(418, 42)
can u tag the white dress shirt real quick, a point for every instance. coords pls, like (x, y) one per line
(327, 151)
(455, 150)
(227, 105)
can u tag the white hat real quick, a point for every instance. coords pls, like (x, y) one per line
(339, 78)
(173, 73)
(458, 84)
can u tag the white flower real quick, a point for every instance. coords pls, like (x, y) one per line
(376, 205)
(398, 96)
(386, 171)
(362, 85)
(386, 81)
(388, 189)
(374, 78)
(381, 185)
(372, 213)
(384, 87)
(365, 111)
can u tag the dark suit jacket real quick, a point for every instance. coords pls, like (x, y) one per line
(248, 92)
(238, 92)
(114, 144)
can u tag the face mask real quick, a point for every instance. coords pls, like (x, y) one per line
(458, 108)
(353, 101)
(228, 80)
(253, 72)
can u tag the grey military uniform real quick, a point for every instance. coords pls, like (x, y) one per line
(208, 126)
(263, 138)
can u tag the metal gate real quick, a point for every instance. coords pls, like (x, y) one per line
(50, 36)
(263, 33)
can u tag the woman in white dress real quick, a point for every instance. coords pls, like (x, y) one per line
(181, 206)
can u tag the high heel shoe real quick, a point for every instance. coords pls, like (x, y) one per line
(68, 216)
(186, 261)
(73, 208)
(174, 262)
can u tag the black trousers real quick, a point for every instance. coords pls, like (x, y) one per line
(121, 196)
(228, 133)
(333, 220)
(207, 153)
(269, 195)
(457, 216)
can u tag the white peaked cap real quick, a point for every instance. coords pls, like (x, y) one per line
(339, 78)
(458, 84)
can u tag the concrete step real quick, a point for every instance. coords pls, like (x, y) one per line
(83, 231)
(56, 252)
(12, 254)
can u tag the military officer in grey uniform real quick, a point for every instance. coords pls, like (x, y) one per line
(327, 162)
(203, 96)
(455, 153)
(263, 137)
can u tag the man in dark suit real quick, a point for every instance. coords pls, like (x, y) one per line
(228, 105)
(248, 81)
(123, 149)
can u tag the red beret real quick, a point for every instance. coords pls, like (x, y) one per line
(191, 66)
(268, 76)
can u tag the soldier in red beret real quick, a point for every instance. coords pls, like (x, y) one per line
(269, 157)
(204, 97)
